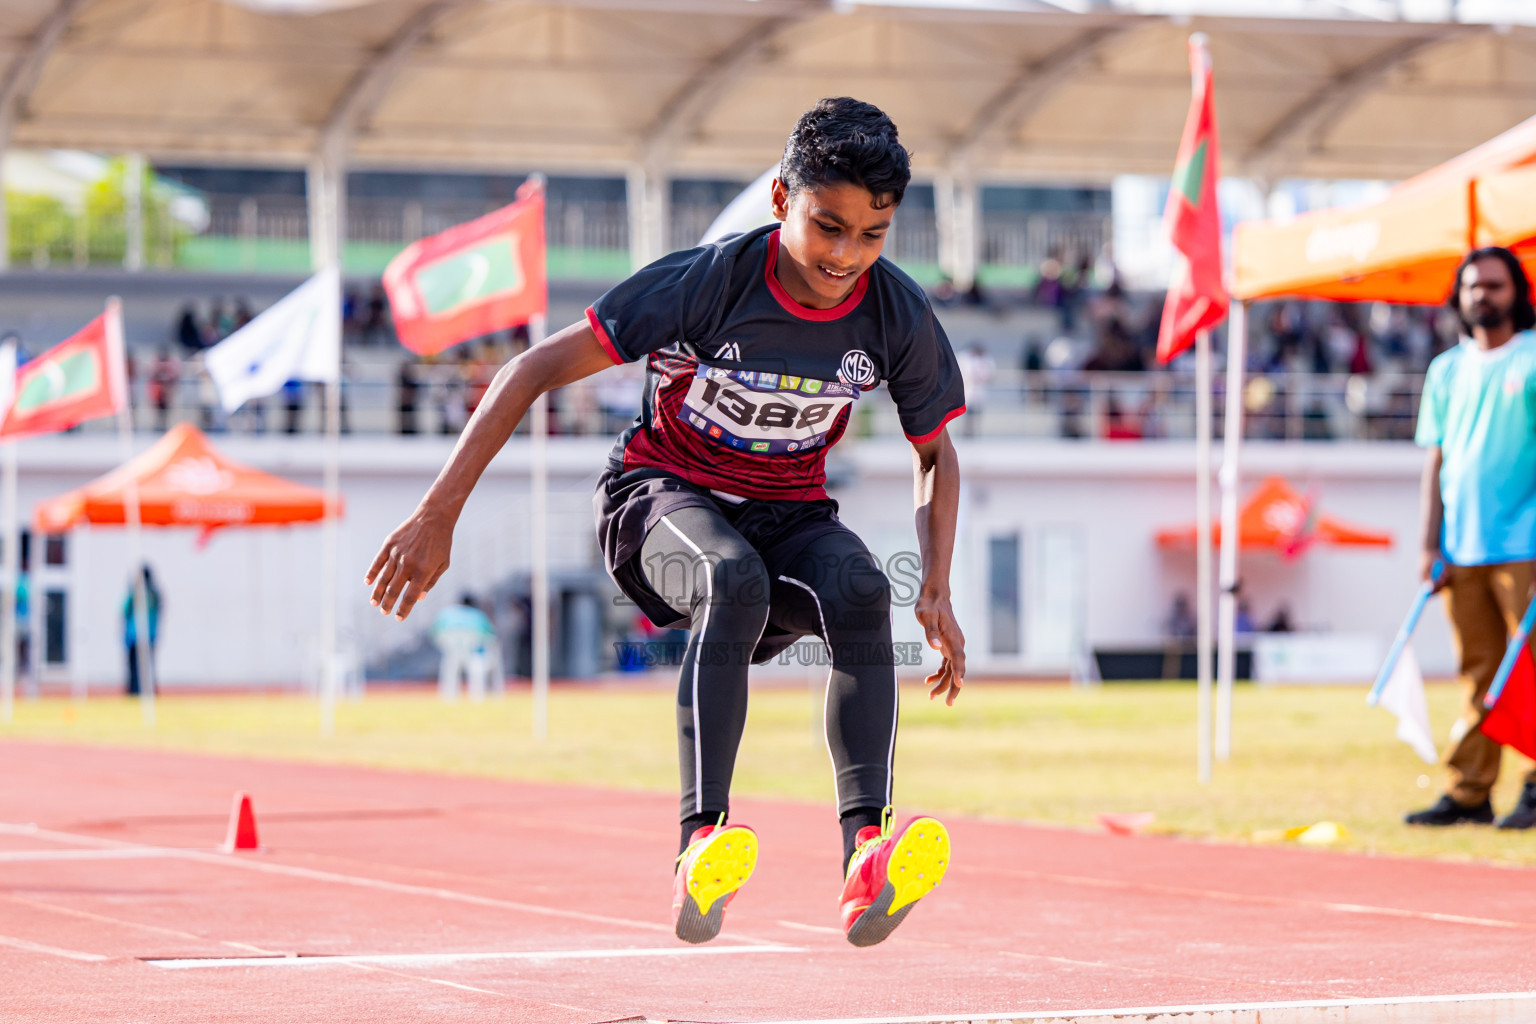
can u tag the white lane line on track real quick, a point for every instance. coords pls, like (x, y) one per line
(37, 947)
(1319, 1010)
(1123, 885)
(54, 908)
(819, 929)
(361, 881)
(25, 856)
(437, 959)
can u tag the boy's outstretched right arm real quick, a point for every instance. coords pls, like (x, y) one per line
(415, 555)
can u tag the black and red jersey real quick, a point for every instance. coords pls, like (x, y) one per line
(746, 389)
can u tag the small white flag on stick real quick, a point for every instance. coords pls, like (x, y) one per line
(1404, 697)
(297, 338)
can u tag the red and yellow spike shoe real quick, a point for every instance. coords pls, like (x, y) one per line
(717, 862)
(890, 871)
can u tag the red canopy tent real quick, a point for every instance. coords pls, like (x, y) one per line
(1277, 518)
(183, 480)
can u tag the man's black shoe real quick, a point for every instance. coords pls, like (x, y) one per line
(1449, 812)
(1524, 814)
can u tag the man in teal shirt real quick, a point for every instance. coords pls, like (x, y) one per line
(1478, 421)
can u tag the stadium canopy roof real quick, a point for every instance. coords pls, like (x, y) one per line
(997, 89)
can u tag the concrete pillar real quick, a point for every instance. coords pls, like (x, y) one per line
(133, 212)
(326, 191)
(5, 216)
(957, 215)
(647, 193)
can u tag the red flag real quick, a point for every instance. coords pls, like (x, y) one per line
(76, 380)
(472, 279)
(1512, 719)
(1197, 299)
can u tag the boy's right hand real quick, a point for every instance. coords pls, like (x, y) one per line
(410, 562)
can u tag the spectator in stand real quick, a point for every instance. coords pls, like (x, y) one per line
(1118, 426)
(376, 322)
(1360, 362)
(1180, 624)
(976, 368)
(211, 332)
(618, 396)
(189, 333)
(1071, 422)
(224, 320)
(944, 294)
(1243, 619)
(406, 390)
(1315, 425)
(242, 315)
(1281, 623)
(1117, 351)
(1110, 304)
(1033, 362)
(293, 405)
(1074, 286)
(479, 365)
(451, 411)
(350, 324)
(1049, 291)
(163, 378)
(517, 339)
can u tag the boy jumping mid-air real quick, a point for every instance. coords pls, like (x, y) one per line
(713, 513)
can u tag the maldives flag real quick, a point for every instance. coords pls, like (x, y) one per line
(1511, 700)
(77, 380)
(472, 279)
(1197, 299)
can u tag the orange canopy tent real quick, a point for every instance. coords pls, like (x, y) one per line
(1405, 246)
(183, 480)
(1276, 517)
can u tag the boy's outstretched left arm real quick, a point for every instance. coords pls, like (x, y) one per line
(936, 479)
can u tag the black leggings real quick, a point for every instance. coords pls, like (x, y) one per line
(834, 589)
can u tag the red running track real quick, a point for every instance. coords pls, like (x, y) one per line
(450, 899)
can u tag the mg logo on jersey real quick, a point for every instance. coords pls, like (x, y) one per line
(731, 351)
(857, 369)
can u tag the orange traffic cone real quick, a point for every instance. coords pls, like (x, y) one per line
(242, 826)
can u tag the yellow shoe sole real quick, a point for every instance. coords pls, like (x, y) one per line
(724, 865)
(918, 864)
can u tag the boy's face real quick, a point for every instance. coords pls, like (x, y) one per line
(832, 233)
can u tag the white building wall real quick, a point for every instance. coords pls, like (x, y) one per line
(244, 609)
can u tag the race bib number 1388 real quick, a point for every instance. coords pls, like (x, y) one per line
(765, 413)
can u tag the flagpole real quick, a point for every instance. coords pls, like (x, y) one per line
(539, 523)
(330, 539)
(1203, 548)
(132, 519)
(1232, 446)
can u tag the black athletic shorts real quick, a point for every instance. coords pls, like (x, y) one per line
(630, 504)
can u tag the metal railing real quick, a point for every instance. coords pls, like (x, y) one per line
(255, 232)
(1067, 405)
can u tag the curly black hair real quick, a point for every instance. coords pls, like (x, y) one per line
(1522, 314)
(842, 139)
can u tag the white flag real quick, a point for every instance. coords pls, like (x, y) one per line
(297, 338)
(7, 377)
(1404, 697)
